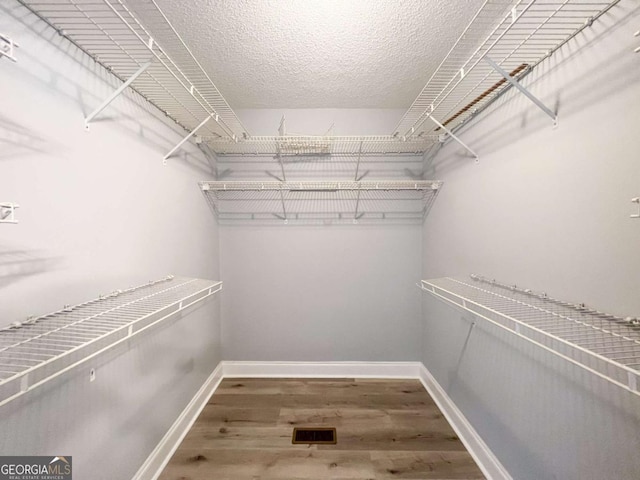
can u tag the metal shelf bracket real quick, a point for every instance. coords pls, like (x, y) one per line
(282, 132)
(7, 47)
(636, 200)
(355, 178)
(115, 94)
(524, 91)
(8, 212)
(452, 135)
(284, 209)
(192, 133)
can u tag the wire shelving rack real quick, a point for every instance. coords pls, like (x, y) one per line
(307, 145)
(321, 202)
(136, 41)
(40, 349)
(516, 36)
(164, 70)
(605, 345)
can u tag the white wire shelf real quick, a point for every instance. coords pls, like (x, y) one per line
(307, 145)
(136, 41)
(40, 349)
(321, 202)
(516, 35)
(605, 345)
(124, 37)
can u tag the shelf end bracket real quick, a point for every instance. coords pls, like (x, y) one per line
(636, 200)
(7, 48)
(8, 212)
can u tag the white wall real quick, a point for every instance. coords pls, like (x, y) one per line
(98, 212)
(546, 209)
(323, 293)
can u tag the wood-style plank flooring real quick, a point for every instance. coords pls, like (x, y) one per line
(385, 429)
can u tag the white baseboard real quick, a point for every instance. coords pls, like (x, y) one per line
(161, 455)
(484, 457)
(322, 369)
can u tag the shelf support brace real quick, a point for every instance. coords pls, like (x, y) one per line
(7, 48)
(358, 164)
(282, 129)
(181, 142)
(284, 177)
(450, 133)
(523, 90)
(8, 212)
(355, 216)
(284, 210)
(115, 94)
(282, 132)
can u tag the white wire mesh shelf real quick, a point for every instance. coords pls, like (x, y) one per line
(605, 345)
(124, 36)
(516, 36)
(301, 145)
(321, 202)
(42, 348)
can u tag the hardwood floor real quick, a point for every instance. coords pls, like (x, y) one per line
(386, 429)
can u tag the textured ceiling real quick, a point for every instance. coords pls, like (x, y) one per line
(320, 53)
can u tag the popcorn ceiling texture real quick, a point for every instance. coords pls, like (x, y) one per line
(320, 53)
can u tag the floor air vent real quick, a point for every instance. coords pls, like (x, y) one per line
(326, 436)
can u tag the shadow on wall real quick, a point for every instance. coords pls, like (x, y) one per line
(16, 265)
(17, 140)
(610, 73)
(131, 116)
